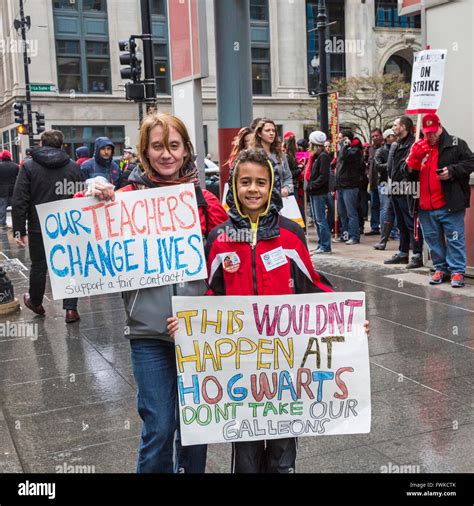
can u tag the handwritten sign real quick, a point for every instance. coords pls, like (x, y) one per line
(272, 367)
(143, 239)
(334, 119)
(291, 210)
(427, 81)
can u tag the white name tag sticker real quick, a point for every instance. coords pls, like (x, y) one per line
(274, 258)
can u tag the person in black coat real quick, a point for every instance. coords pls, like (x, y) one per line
(46, 177)
(8, 175)
(350, 170)
(410, 232)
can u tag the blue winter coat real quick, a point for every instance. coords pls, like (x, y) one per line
(98, 166)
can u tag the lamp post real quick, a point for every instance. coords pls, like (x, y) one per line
(315, 67)
(323, 78)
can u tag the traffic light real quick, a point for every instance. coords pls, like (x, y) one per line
(130, 58)
(40, 124)
(22, 130)
(135, 91)
(19, 113)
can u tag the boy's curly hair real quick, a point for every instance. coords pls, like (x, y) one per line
(255, 155)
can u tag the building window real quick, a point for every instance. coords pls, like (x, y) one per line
(68, 55)
(260, 44)
(161, 68)
(386, 16)
(158, 8)
(396, 64)
(161, 46)
(98, 66)
(259, 10)
(94, 5)
(82, 46)
(335, 37)
(65, 4)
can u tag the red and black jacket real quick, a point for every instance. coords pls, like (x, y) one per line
(297, 275)
(276, 235)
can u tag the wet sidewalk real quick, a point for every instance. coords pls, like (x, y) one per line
(67, 394)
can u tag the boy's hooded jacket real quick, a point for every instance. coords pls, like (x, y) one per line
(98, 166)
(274, 261)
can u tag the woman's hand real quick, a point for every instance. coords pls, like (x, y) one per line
(367, 327)
(173, 325)
(285, 192)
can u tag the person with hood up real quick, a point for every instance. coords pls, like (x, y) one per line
(102, 163)
(254, 203)
(8, 174)
(43, 178)
(82, 155)
(166, 159)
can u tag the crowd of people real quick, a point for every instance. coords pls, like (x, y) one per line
(406, 187)
(264, 170)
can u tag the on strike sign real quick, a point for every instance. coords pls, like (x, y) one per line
(427, 81)
(144, 238)
(271, 367)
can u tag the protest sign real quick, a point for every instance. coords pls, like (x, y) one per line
(291, 210)
(224, 197)
(427, 81)
(303, 155)
(271, 367)
(334, 119)
(143, 239)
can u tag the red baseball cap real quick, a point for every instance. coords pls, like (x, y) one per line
(288, 135)
(431, 123)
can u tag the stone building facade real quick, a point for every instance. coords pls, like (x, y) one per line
(73, 45)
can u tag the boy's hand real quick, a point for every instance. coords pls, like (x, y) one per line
(173, 325)
(367, 327)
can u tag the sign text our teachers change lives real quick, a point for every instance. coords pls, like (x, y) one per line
(269, 367)
(144, 238)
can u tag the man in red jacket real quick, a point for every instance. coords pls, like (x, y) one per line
(444, 164)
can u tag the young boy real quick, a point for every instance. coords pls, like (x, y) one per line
(259, 252)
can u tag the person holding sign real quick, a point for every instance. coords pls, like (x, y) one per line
(444, 164)
(166, 154)
(259, 252)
